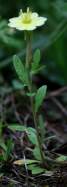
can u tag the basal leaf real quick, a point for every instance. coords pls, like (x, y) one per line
(35, 169)
(25, 161)
(17, 127)
(3, 145)
(61, 158)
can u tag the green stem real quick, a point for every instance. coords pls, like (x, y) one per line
(28, 50)
(37, 130)
(28, 63)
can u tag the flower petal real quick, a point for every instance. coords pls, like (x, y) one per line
(40, 21)
(26, 27)
(13, 22)
(34, 15)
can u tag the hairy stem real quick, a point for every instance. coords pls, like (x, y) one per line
(37, 130)
(28, 63)
(28, 50)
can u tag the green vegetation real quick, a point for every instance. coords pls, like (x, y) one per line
(33, 95)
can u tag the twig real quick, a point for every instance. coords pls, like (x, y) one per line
(56, 93)
(60, 106)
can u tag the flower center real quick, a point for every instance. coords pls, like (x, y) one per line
(27, 18)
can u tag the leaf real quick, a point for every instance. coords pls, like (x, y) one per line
(36, 60)
(36, 153)
(17, 85)
(2, 158)
(61, 158)
(25, 161)
(38, 69)
(31, 132)
(10, 146)
(40, 95)
(30, 94)
(20, 69)
(32, 135)
(17, 127)
(2, 145)
(36, 169)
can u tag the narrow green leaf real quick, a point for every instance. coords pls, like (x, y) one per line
(30, 94)
(38, 69)
(3, 145)
(17, 127)
(35, 169)
(10, 146)
(61, 158)
(40, 95)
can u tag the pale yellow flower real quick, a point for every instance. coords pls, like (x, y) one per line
(27, 21)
